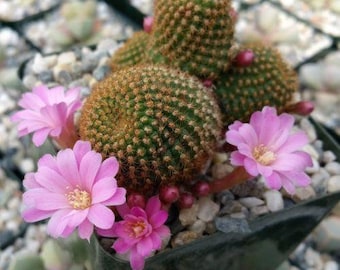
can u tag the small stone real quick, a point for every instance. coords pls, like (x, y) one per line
(225, 196)
(64, 77)
(207, 209)
(232, 225)
(331, 265)
(210, 227)
(198, 226)
(303, 193)
(231, 207)
(274, 200)
(220, 157)
(313, 259)
(51, 60)
(183, 238)
(311, 151)
(29, 81)
(259, 210)
(333, 168)
(320, 178)
(308, 127)
(45, 76)
(100, 72)
(219, 170)
(26, 165)
(328, 156)
(314, 168)
(251, 202)
(240, 215)
(5, 238)
(334, 184)
(39, 65)
(89, 64)
(284, 266)
(327, 234)
(245, 189)
(188, 216)
(66, 59)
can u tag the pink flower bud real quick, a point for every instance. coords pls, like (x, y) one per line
(136, 200)
(233, 14)
(169, 194)
(147, 24)
(244, 58)
(207, 83)
(201, 188)
(303, 108)
(186, 200)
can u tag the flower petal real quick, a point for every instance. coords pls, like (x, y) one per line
(118, 198)
(34, 215)
(120, 246)
(136, 260)
(236, 158)
(57, 224)
(85, 230)
(103, 190)
(109, 168)
(153, 205)
(158, 219)
(101, 216)
(144, 246)
(68, 167)
(251, 166)
(88, 168)
(293, 143)
(40, 136)
(274, 181)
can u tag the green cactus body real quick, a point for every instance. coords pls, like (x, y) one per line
(160, 123)
(269, 80)
(132, 52)
(193, 35)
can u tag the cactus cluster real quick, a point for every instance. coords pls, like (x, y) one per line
(132, 52)
(160, 123)
(155, 114)
(269, 80)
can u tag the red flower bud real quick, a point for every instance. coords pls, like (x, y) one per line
(147, 24)
(244, 58)
(169, 194)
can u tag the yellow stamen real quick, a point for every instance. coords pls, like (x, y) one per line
(263, 155)
(137, 228)
(79, 199)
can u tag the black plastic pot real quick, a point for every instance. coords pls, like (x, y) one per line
(271, 240)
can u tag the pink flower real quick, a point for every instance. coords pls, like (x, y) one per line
(74, 189)
(267, 147)
(140, 232)
(49, 112)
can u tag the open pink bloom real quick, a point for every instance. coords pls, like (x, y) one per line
(74, 189)
(140, 232)
(267, 147)
(49, 112)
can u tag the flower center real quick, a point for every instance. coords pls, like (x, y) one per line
(263, 155)
(137, 228)
(79, 199)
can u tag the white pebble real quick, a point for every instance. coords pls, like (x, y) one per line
(333, 168)
(328, 156)
(308, 127)
(314, 168)
(207, 209)
(26, 165)
(66, 58)
(198, 226)
(188, 216)
(39, 65)
(334, 184)
(250, 202)
(274, 200)
(331, 265)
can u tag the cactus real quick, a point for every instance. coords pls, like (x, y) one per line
(269, 80)
(160, 123)
(132, 52)
(193, 35)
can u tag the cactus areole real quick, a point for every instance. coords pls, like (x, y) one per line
(160, 123)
